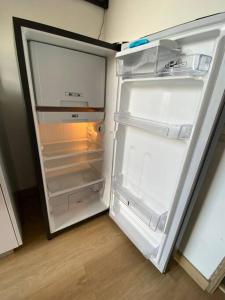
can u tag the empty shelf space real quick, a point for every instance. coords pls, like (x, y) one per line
(69, 149)
(72, 161)
(62, 181)
(172, 131)
(149, 210)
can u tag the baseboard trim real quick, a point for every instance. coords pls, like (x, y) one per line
(191, 271)
(208, 285)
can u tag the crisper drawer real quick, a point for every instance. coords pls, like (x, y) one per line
(78, 199)
(69, 117)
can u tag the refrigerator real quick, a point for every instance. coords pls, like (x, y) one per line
(122, 128)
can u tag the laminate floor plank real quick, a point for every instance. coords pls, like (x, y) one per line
(94, 261)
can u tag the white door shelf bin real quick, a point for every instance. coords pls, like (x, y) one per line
(65, 149)
(192, 64)
(149, 210)
(172, 131)
(72, 161)
(147, 59)
(70, 179)
(135, 229)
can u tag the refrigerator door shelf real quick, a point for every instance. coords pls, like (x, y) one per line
(135, 229)
(149, 210)
(193, 65)
(150, 60)
(172, 131)
(69, 117)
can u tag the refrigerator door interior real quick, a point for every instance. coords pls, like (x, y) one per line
(72, 125)
(170, 92)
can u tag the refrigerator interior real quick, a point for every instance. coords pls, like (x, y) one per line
(73, 126)
(162, 102)
(73, 157)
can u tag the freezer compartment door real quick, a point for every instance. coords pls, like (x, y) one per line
(67, 78)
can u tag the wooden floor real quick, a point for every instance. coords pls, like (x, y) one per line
(94, 261)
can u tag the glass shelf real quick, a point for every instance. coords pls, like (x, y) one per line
(69, 149)
(70, 179)
(72, 161)
(172, 131)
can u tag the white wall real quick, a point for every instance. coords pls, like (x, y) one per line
(129, 19)
(204, 240)
(74, 15)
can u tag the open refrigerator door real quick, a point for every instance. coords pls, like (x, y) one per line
(170, 94)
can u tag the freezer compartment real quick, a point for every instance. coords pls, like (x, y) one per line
(72, 178)
(149, 210)
(172, 131)
(193, 64)
(146, 240)
(147, 60)
(72, 161)
(67, 78)
(76, 206)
